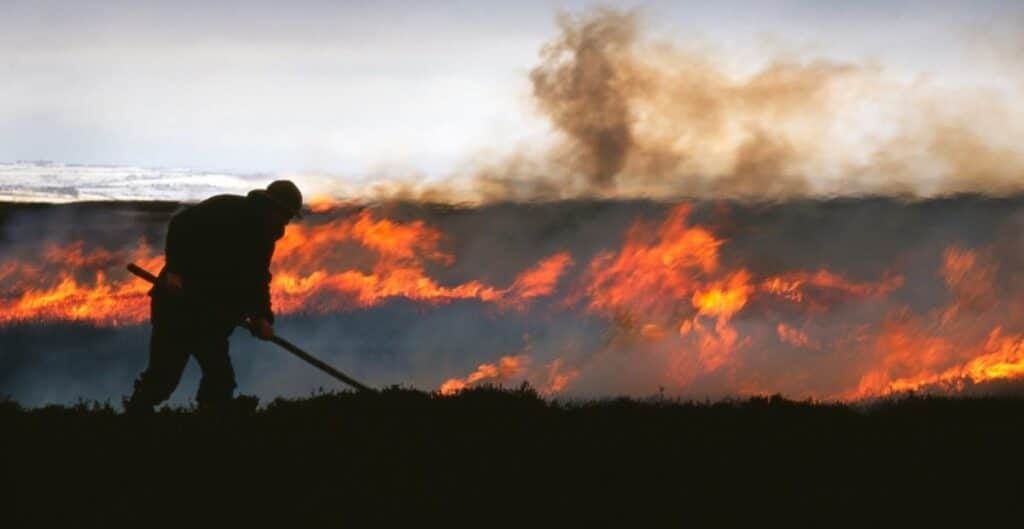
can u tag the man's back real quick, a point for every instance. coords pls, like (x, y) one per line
(221, 248)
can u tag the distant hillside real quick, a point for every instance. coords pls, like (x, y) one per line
(59, 182)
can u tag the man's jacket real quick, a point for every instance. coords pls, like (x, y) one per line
(222, 248)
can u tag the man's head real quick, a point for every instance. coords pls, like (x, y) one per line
(282, 202)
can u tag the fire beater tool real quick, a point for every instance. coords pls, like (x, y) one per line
(285, 344)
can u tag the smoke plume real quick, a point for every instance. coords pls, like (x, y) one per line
(638, 117)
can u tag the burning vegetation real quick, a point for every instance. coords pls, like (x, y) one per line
(687, 306)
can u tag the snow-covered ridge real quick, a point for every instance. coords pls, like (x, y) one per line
(57, 182)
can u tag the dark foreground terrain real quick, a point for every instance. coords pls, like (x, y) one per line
(489, 457)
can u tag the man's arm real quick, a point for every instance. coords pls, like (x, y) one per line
(177, 252)
(258, 308)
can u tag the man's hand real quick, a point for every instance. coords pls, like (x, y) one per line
(173, 284)
(261, 328)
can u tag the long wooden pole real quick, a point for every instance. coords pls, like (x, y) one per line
(285, 344)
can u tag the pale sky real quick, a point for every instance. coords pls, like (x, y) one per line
(353, 88)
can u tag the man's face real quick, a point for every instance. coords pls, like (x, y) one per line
(276, 222)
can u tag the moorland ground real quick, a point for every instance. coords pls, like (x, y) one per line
(496, 457)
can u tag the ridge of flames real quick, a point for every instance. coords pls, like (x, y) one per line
(668, 295)
(313, 272)
(672, 301)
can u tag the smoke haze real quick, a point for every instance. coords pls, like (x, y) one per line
(846, 298)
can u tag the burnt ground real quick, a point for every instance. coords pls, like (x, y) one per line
(498, 457)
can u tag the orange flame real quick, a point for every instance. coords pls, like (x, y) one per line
(668, 292)
(999, 358)
(353, 262)
(794, 337)
(724, 298)
(98, 301)
(796, 286)
(554, 377)
(672, 275)
(315, 269)
(559, 376)
(655, 269)
(536, 282)
(508, 367)
(952, 345)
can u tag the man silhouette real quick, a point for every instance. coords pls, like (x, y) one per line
(217, 273)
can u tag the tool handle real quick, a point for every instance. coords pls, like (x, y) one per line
(141, 272)
(285, 344)
(316, 362)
